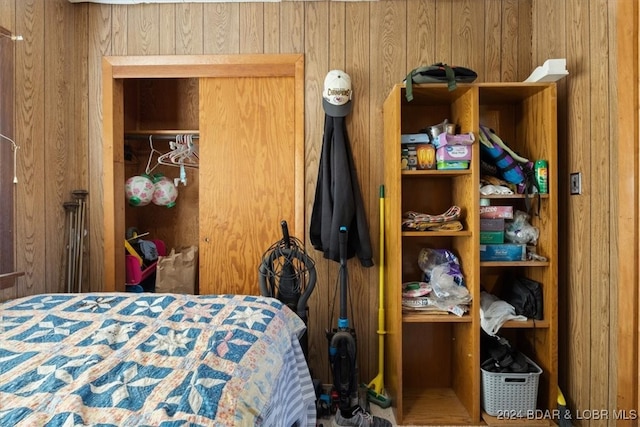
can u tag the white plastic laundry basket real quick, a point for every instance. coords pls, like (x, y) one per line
(510, 394)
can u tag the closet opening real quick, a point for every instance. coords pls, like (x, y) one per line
(161, 163)
(245, 113)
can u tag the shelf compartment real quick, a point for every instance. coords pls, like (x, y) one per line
(440, 373)
(434, 406)
(419, 317)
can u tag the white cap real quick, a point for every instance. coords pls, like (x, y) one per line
(336, 96)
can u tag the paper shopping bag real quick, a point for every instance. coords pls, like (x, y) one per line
(176, 272)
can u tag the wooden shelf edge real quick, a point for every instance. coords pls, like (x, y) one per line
(463, 233)
(435, 407)
(529, 323)
(515, 263)
(426, 317)
(515, 422)
(147, 132)
(7, 279)
(435, 173)
(513, 196)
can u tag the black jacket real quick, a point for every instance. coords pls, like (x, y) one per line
(338, 201)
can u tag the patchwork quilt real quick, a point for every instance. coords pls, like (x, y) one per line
(124, 359)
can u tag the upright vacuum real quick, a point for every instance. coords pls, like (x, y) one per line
(352, 399)
(342, 341)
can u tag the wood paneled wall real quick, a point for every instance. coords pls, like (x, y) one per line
(58, 125)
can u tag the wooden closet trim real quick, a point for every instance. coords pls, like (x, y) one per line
(628, 244)
(117, 68)
(185, 66)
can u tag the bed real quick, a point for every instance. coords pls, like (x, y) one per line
(125, 359)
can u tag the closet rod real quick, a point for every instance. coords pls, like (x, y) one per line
(159, 135)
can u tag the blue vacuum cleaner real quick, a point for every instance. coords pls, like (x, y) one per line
(352, 399)
(342, 342)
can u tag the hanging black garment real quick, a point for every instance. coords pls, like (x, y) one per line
(338, 201)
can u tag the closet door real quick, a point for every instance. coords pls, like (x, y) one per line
(251, 154)
(251, 174)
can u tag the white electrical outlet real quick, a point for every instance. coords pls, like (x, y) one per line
(575, 183)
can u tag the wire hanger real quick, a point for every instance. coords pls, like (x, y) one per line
(150, 169)
(184, 152)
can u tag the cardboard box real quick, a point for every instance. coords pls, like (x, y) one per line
(492, 224)
(503, 252)
(491, 237)
(451, 165)
(453, 139)
(505, 212)
(453, 153)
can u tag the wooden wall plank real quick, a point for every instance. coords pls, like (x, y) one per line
(443, 39)
(614, 254)
(494, 43)
(58, 152)
(119, 31)
(99, 38)
(30, 134)
(391, 67)
(573, 375)
(189, 29)
(79, 122)
(363, 281)
(272, 32)
(524, 24)
(316, 24)
(336, 51)
(143, 32)
(167, 25)
(221, 23)
(292, 27)
(509, 39)
(337, 33)
(8, 188)
(467, 47)
(421, 30)
(251, 28)
(599, 167)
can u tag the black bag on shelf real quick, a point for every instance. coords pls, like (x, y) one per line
(499, 356)
(438, 73)
(525, 295)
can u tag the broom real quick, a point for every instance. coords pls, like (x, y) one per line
(564, 419)
(375, 392)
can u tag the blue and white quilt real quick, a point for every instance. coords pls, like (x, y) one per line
(124, 359)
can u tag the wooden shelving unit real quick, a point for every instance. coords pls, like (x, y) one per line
(433, 360)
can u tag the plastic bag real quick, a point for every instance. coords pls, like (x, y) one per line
(429, 258)
(520, 230)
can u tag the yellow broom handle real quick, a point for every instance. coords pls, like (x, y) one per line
(381, 320)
